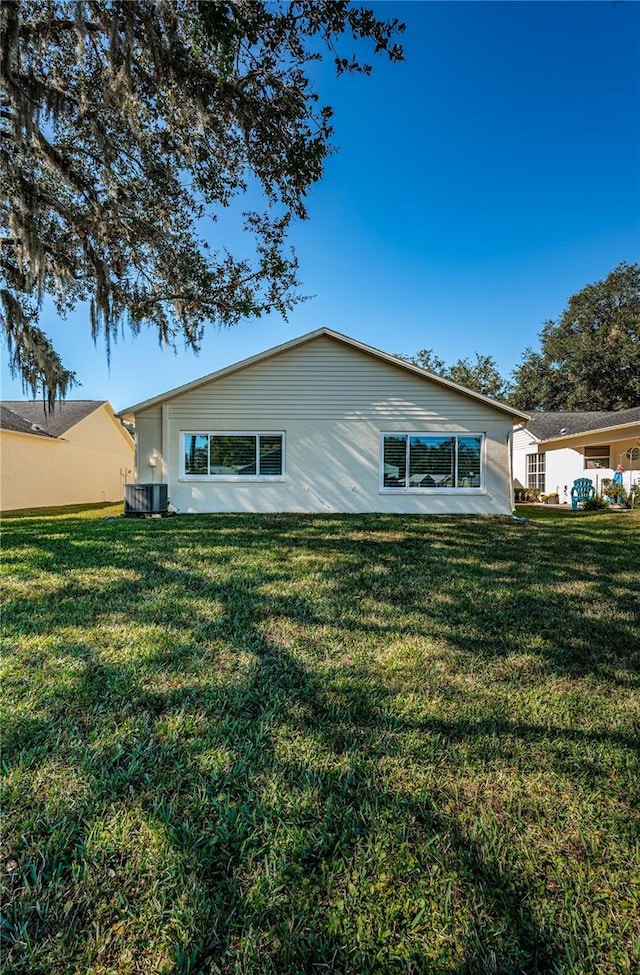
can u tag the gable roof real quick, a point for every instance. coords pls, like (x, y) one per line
(310, 337)
(556, 425)
(31, 416)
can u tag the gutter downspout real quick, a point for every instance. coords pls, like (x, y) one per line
(512, 493)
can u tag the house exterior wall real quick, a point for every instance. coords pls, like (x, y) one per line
(25, 463)
(332, 402)
(81, 467)
(523, 443)
(563, 465)
(149, 445)
(566, 465)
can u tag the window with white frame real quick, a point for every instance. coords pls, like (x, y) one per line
(419, 461)
(536, 469)
(233, 455)
(596, 457)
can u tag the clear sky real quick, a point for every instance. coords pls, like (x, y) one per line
(476, 187)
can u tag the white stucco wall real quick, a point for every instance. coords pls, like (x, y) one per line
(332, 402)
(564, 465)
(333, 466)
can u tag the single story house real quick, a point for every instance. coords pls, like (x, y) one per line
(79, 454)
(324, 423)
(557, 448)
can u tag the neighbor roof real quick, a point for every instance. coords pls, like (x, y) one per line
(10, 420)
(310, 336)
(23, 415)
(551, 426)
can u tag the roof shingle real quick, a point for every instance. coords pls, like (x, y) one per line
(548, 426)
(21, 415)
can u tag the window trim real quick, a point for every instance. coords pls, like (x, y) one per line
(456, 434)
(541, 462)
(594, 458)
(237, 478)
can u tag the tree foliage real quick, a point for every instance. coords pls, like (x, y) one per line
(427, 359)
(589, 359)
(481, 374)
(123, 124)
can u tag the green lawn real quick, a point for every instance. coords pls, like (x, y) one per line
(282, 744)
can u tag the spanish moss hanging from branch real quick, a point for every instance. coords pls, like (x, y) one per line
(122, 125)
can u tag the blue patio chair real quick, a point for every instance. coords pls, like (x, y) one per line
(582, 490)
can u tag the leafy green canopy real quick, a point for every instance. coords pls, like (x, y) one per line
(590, 358)
(481, 374)
(124, 123)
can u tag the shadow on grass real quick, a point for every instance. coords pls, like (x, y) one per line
(113, 508)
(251, 733)
(487, 589)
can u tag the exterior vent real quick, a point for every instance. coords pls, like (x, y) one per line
(146, 499)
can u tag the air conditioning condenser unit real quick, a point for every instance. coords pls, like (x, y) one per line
(146, 499)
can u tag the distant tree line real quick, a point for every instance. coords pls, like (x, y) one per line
(589, 359)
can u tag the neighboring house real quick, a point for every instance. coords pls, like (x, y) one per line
(79, 453)
(321, 424)
(557, 448)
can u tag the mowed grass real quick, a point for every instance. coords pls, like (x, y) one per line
(289, 744)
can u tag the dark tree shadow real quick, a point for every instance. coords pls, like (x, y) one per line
(221, 823)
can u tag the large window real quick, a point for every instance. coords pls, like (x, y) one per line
(412, 461)
(536, 469)
(233, 455)
(595, 457)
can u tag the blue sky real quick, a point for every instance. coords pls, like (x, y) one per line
(476, 187)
